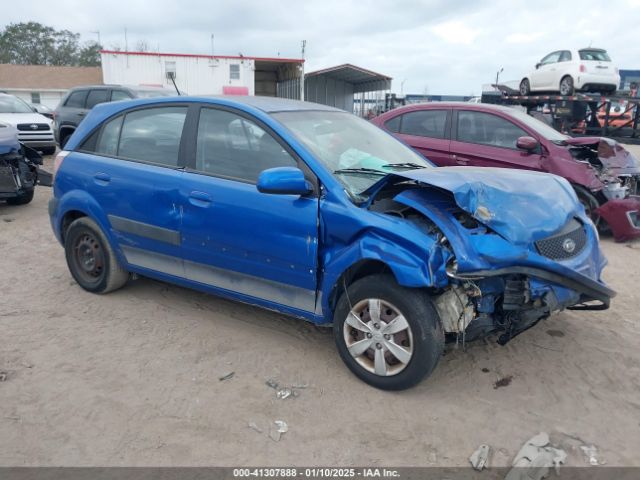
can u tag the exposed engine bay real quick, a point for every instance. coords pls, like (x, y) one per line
(503, 302)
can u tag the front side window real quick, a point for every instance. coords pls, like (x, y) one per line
(76, 99)
(551, 58)
(425, 123)
(229, 145)
(153, 135)
(234, 72)
(487, 129)
(97, 96)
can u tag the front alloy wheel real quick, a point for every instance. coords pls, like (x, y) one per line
(389, 336)
(378, 337)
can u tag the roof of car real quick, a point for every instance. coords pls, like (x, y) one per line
(469, 105)
(274, 104)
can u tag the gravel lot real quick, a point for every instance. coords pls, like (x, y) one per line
(132, 378)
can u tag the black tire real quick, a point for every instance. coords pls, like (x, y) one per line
(426, 334)
(566, 86)
(23, 197)
(49, 150)
(589, 202)
(91, 259)
(64, 138)
(525, 87)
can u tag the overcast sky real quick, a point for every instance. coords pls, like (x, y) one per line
(434, 46)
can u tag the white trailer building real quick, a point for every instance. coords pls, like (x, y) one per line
(203, 74)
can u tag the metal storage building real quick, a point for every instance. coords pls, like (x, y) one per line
(200, 74)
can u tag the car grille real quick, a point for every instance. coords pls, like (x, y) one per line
(29, 126)
(568, 243)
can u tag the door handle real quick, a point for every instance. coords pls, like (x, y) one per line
(82, 114)
(461, 160)
(200, 199)
(102, 178)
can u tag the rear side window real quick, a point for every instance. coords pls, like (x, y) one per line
(487, 129)
(76, 99)
(425, 123)
(393, 125)
(232, 146)
(108, 140)
(153, 135)
(595, 55)
(97, 96)
(119, 95)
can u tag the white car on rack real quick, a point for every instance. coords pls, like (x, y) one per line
(568, 71)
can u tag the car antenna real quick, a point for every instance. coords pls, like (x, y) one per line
(173, 80)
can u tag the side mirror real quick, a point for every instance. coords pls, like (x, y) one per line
(283, 181)
(528, 144)
(538, 65)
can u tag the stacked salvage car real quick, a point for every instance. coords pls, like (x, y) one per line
(19, 172)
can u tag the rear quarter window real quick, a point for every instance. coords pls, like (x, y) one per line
(393, 125)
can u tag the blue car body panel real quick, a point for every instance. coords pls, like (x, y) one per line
(288, 253)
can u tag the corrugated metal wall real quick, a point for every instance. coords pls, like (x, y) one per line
(328, 91)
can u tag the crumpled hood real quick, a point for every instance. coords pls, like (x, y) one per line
(611, 154)
(521, 206)
(8, 140)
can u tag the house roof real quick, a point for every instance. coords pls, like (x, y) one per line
(47, 77)
(363, 80)
(192, 55)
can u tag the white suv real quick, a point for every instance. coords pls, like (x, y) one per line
(567, 71)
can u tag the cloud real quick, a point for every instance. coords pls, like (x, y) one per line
(446, 47)
(455, 32)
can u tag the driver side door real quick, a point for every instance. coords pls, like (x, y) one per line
(257, 246)
(543, 77)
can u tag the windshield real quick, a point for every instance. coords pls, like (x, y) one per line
(11, 104)
(356, 151)
(540, 127)
(594, 55)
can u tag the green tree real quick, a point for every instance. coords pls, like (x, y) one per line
(89, 55)
(32, 43)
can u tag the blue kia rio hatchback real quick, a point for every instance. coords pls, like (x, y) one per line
(315, 213)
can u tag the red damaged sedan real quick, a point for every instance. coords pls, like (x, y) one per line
(605, 176)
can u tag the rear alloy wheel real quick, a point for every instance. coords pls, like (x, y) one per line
(525, 87)
(566, 86)
(90, 258)
(389, 336)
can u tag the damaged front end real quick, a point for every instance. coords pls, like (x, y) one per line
(618, 201)
(19, 172)
(518, 245)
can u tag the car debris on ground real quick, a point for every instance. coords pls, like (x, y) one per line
(226, 376)
(282, 391)
(591, 454)
(535, 458)
(480, 457)
(278, 428)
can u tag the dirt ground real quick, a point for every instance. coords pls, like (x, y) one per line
(132, 378)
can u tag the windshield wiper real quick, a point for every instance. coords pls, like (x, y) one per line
(407, 165)
(371, 171)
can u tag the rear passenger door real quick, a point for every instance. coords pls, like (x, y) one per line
(427, 131)
(235, 238)
(74, 108)
(133, 166)
(487, 140)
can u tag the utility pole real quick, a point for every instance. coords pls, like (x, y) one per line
(97, 32)
(212, 38)
(126, 46)
(304, 46)
(402, 86)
